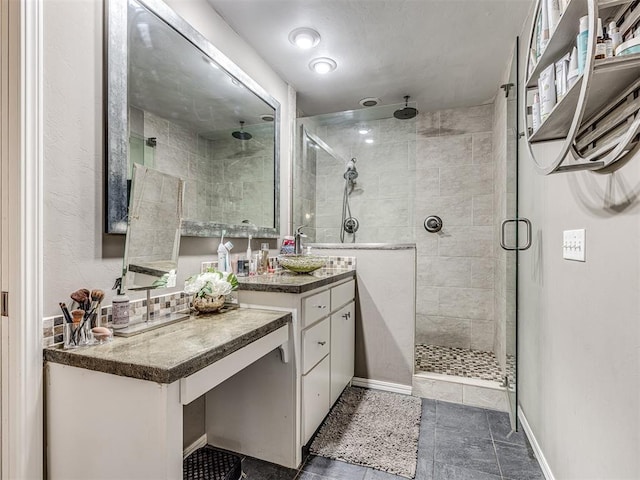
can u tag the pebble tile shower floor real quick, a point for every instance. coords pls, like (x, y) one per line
(457, 442)
(461, 362)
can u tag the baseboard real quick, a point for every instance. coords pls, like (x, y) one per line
(199, 443)
(546, 469)
(379, 385)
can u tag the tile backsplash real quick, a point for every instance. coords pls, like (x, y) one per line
(161, 305)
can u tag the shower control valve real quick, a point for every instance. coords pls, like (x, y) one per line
(433, 224)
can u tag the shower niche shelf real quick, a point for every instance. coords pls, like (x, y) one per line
(597, 122)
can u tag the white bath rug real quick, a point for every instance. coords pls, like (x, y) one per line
(372, 428)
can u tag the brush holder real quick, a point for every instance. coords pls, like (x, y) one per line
(76, 335)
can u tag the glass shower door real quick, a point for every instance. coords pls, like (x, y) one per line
(515, 235)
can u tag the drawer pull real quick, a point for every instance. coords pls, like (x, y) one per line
(322, 343)
(320, 306)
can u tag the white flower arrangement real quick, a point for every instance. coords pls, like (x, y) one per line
(210, 284)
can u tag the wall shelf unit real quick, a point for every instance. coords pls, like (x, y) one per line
(597, 122)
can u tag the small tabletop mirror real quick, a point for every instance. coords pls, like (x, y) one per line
(153, 236)
(153, 231)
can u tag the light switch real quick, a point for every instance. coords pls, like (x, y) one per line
(573, 245)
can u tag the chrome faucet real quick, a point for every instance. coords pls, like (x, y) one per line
(298, 240)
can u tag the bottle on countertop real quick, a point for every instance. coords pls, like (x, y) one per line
(119, 307)
(263, 267)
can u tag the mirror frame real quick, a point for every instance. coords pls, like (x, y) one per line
(116, 125)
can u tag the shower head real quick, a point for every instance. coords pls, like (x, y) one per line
(351, 174)
(407, 112)
(241, 134)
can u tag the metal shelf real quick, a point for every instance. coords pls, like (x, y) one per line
(562, 40)
(610, 77)
(556, 125)
(598, 120)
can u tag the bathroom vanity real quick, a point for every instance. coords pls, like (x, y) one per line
(116, 410)
(322, 308)
(269, 376)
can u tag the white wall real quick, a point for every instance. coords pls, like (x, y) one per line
(579, 323)
(76, 252)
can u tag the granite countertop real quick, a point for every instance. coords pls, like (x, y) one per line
(178, 350)
(289, 282)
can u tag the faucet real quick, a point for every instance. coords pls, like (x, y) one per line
(298, 240)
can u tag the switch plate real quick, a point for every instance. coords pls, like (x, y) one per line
(573, 245)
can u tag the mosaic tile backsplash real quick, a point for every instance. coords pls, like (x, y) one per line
(161, 305)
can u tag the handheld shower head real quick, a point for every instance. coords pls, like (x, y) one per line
(351, 174)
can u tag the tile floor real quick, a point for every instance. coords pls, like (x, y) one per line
(461, 362)
(457, 442)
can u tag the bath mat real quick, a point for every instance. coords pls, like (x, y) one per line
(372, 428)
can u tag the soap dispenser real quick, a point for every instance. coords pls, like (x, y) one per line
(119, 307)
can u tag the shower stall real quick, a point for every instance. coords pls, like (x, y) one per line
(373, 176)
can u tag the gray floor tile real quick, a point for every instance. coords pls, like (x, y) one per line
(424, 469)
(333, 468)
(373, 474)
(259, 470)
(450, 472)
(454, 448)
(500, 426)
(428, 411)
(311, 476)
(426, 440)
(518, 463)
(465, 420)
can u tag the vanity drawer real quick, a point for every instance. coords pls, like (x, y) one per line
(342, 294)
(315, 399)
(316, 342)
(315, 307)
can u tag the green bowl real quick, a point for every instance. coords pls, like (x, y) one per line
(302, 263)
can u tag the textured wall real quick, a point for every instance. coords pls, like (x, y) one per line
(455, 180)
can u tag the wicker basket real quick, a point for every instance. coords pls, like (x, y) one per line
(207, 304)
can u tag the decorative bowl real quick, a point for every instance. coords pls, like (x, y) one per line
(207, 304)
(302, 263)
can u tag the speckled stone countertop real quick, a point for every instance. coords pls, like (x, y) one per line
(289, 282)
(178, 350)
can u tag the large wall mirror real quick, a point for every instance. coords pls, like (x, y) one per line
(176, 104)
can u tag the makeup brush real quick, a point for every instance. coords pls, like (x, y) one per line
(65, 312)
(97, 296)
(82, 298)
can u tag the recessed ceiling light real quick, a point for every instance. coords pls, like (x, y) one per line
(369, 140)
(304, 38)
(267, 117)
(323, 65)
(369, 102)
(364, 131)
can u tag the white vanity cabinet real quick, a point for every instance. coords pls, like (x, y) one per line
(328, 351)
(323, 331)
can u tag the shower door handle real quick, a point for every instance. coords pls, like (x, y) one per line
(502, 234)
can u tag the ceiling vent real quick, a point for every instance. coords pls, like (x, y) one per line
(369, 102)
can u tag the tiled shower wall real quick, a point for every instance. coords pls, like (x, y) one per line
(382, 199)
(455, 180)
(227, 180)
(440, 163)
